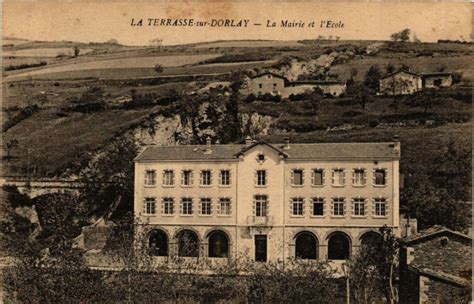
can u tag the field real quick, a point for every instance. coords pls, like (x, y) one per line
(248, 44)
(56, 142)
(43, 52)
(463, 64)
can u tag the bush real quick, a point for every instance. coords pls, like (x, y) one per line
(25, 66)
(250, 98)
(298, 97)
(352, 113)
(373, 123)
(299, 124)
(23, 114)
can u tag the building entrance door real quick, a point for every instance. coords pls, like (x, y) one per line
(261, 248)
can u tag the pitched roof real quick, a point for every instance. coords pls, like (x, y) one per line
(436, 74)
(383, 150)
(440, 275)
(270, 73)
(431, 233)
(320, 82)
(400, 71)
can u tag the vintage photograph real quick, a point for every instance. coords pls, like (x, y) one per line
(236, 152)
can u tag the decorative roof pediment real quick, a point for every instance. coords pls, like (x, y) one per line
(260, 143)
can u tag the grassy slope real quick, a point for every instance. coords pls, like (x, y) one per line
(56, 142)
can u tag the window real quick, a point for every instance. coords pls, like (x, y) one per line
(297, 177)
(158, 243)
(150, 205)
(224, 178)
(318, 177)
(224, 206)
(338, 207)
(206, 178)
(297, 206)
(318, 206)
(206, 206)
(261, 157)
(274, 85)
(380, 207)
(186, 206)
(167, 206)
(150, 177)
(261, 178)
(261, 205)
(338, 177)
(339, 246)
(218, 245)
(380, 177)
(186, 177)
(306, 246)
(168, 178)
(188, 244)
(359, 207)
(259, 85)
(358, 178)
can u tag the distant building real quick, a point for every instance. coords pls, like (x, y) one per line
(267, 201)
(274, 84)
(437, 80)
(436, 267)
(401, 83)
(405, 82)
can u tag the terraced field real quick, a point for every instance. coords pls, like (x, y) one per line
(43, 52)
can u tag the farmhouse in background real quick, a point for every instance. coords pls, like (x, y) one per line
(401, 83)
(435, 267)
(274, 84)
(267, 201)
(437, 80)
(404, 82)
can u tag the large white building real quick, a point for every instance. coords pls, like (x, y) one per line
(266, 201)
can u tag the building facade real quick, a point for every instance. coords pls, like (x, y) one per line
(274, 84)
(400, 83)
(265, 201)
(437, 80)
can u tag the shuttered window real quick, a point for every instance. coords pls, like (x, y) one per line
(150, 177)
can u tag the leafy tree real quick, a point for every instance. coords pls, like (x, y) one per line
(359, 94)
(158, 68)
(76, 51)
(9, 145)
(233, 126)
(403, 35)
(405, 67)
(426, 100)
(390, 68)
(108, 181)
(372, 78)
(314, 100)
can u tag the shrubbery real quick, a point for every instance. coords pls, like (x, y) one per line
(23, 114)
(25, 66)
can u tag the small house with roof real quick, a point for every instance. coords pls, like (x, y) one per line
(436, 267)
(437, 80)
(401, 82)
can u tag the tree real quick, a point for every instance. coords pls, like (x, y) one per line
(314, 99)
(9, 145)
(108, 180)
(76, 51)
(359, 94)
(390, 68)
(158, 68)
(405, 67)
(372, 78)
(402, 36)
(425, 99)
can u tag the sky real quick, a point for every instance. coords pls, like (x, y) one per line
(98, 21)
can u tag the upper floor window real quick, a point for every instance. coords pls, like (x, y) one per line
(297, 178)
(186, 177)
(358, 177)
(260, 85)
(224, 206)
(150, 206)
(318, 206)
(261, 205)
(318, 177)
(359, 207)
(380, 207)
(206, 178)
(338, 177)
(338, 207)
(187, 206)
(168, 178)
(167, 206)
(150, 177)
(380, 177)
(261, 178)
(297, 206)
(224, 178)
(206, 206)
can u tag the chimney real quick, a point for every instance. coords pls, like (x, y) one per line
(218, 142)
(208, 145)
(396, 138)
(286, 146)
(248, 141)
